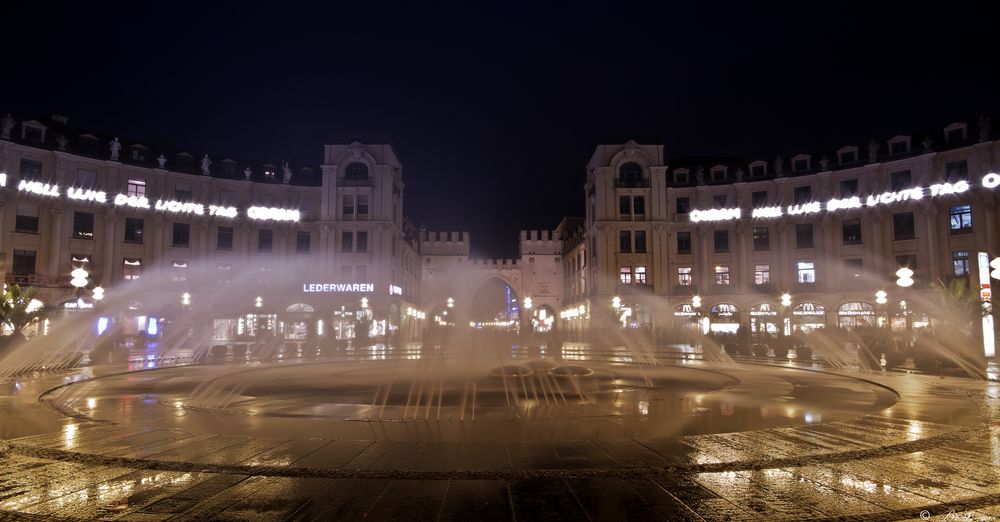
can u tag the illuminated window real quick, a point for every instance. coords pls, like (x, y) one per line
(960, 219)
(722, 275)
(806, 272)
(136, 187)
(625, 275)
(851, 231)
(640, 275)
(131, 268)
(960, 261)
(761, 274)
(684, 276)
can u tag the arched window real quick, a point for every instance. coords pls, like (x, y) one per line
(630, 172)
(356, 170)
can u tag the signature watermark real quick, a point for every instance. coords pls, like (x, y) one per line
(957, 516)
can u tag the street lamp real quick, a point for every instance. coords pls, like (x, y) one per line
(258, 301)
(904, 279)
(79, 280)
(98, 293)
(881, 298)
(527, 303)
(186, 299)
(451, 302)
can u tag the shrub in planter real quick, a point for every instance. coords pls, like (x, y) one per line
(759, 350)
(219, 350)
(240, 350)
(780, 347)
(803, 352)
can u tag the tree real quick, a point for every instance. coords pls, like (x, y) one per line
(15, 309)
(959, 304)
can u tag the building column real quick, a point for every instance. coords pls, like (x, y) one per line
(930, 215)
(55, 242)
(110, 240)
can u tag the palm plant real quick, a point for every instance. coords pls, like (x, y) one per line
(16, 311)
(959, 304)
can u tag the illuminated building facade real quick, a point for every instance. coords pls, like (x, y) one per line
(829, 228)
(294, 245)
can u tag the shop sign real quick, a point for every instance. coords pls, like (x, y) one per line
(338, 288)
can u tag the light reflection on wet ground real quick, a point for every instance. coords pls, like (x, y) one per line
(301, 442)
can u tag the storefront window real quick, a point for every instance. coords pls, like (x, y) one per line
(856, 314)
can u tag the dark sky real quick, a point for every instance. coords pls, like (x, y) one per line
(495, 111)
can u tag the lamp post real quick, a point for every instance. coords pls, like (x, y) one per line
(79, 280)
(904, 279)
(786, 327)
(696, 303)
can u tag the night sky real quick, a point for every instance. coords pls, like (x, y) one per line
(494, 112)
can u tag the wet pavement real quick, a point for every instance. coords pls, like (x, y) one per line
(734, 442)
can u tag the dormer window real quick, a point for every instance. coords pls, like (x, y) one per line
(682, 176)
(718, 173)
(185, 162)
(758, 169)
(228, 166)
(899, 145)
(956, 133)
(139, 153)
(88, 144)
(270, 171)
(800, 163)
(33, 131)
(356, 171)
(847, 155)
(630, 172)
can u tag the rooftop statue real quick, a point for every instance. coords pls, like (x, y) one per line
(205, 164)
(61, 142)
(116, 148)
(984, 128)
(162, 160)
(779, 166)
(286, 173)
(872, 151)
(247, 173)
(6, 126)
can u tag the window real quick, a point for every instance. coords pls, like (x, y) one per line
(26, 220)
(348, 207)
(625, 275)
(955, 135)
(960, 219)
(625, 241)
(227, 197)
(360, 272)
(759, 199)
(302, 240)
(362, 244)
(956, 170)
(803, 235)
(639, 206)
(182, 235)
(848, 156)
(83, 225)
(800, 165)
(265, 240)
(624, 205)
(640, 275)
(131, 268)
(722, 275)
(848, 188)
(851, 231)
(806, 272)
(761, 239)
(136, 187)
(182, 192)
(133, 230)
(85, 178)
(853, 268)
(899, 147)
(802, 195)
(761, 274)
(630, 173)
(722, 241)
(909, 261)
(640, 241)
(902, 226)
(31, 169)
(719, 201)
(758, 171)
(683, 205)
(32, 133)
(900, 180)
(960, 261)
(683, 242)
(24, 262)
(138, 154)
(346, 272)
(347, 241)
(718, 174)
(356, 171)
(684, 276)
(681, 176)
(224, 238)
(362, 206)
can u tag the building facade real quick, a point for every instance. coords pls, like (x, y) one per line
(298, 247)
(719, 242)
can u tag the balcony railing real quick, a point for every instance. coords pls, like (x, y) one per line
(38, 280)
(344, 182)
(631, 183)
